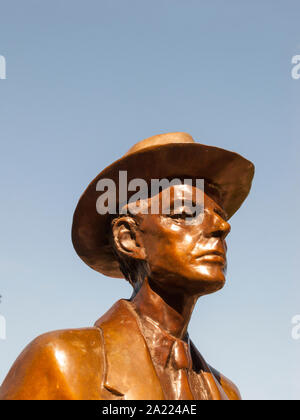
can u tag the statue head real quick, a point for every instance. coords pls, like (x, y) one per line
(177, 247)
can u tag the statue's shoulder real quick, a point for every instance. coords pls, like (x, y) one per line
(60, 364)
(229, 387)
(73, 341)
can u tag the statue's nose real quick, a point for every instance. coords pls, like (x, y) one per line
(220, 228)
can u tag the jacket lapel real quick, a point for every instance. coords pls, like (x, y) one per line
(202, 368)
(130, 373)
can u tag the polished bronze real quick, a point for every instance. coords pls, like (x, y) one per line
(141, 349)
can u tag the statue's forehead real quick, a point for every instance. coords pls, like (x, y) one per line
(178, 195)
(194, 193)
(177, 192)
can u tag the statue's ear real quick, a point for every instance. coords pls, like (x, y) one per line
(127, 240)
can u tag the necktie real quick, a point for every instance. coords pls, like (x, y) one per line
(181, 356)
(180, 363)
(172, 360)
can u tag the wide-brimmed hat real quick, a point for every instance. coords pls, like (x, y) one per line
(168, 156)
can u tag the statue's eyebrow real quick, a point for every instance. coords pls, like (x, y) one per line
(221, 213)
(182, 203)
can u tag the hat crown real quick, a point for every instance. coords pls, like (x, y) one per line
(160, 140)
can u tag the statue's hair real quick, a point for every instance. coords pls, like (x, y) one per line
(134, 270)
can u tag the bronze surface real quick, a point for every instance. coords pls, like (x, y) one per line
(141, 349)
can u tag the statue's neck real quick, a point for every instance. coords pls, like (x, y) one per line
(171, 312)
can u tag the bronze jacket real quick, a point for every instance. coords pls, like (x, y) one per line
(110, 361)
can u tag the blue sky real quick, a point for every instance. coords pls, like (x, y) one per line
(86, 80)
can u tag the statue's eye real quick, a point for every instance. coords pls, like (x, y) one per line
(182, 215)
(178, 216)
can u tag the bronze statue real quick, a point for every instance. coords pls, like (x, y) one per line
(140, 349)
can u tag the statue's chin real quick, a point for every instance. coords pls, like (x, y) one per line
(207, 282)
(201, 280)
(211, 287)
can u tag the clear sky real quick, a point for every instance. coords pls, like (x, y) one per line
(86, 80)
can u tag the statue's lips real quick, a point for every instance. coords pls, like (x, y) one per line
(216, 257)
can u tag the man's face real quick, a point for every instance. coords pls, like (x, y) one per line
(184, 254)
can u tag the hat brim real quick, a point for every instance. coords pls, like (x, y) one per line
(228, 171)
